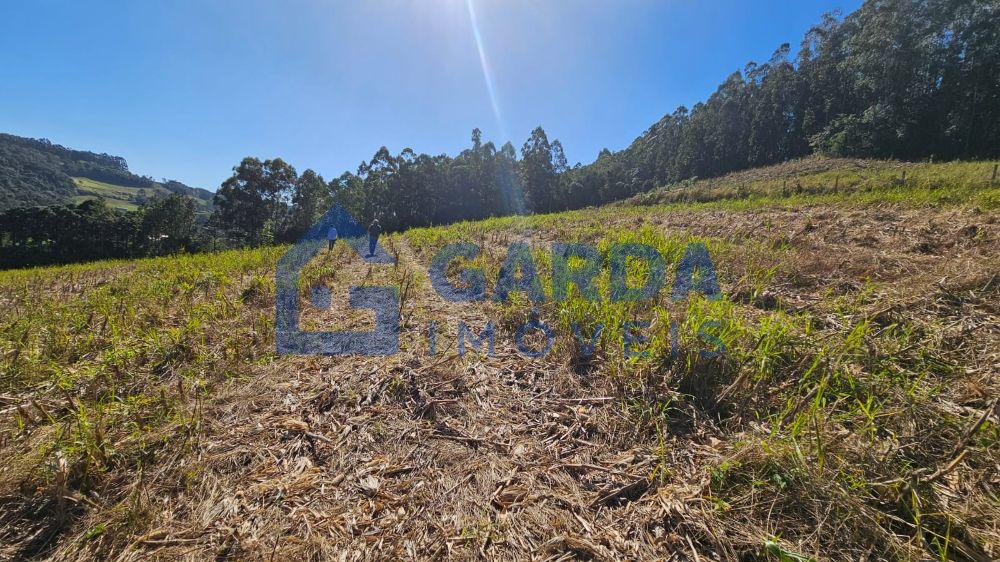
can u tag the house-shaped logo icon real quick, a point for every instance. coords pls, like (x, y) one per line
(290, 339)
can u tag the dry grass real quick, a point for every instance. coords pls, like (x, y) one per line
(853, 415)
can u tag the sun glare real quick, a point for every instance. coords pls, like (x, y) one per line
(485, 64)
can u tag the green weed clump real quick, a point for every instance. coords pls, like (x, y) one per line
(826, 396)
(108, 363)
(838, 182)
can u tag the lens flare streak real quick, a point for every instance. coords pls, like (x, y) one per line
(487, 74)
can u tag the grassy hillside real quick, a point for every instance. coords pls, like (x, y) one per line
(36, 172)
(837, 180)
(125, 197)
(853, 412)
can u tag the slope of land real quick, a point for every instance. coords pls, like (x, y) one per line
(36, 172)
(853, 413)
(125, 197)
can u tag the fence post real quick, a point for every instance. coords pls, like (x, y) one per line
(994, 178)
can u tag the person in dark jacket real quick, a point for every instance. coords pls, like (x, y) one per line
(374, 230)
(331, 237)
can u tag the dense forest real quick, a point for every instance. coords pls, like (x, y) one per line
(91, 230)
(905, 79)
(31, 176)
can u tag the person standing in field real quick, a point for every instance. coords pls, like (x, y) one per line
(331, 237)
(374, 230)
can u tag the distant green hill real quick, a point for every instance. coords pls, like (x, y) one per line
(36, 172)
(130, 198)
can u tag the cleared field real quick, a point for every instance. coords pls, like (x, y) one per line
(113, 203)
(852, 413)
(839, 180)
(123, 197)
(117, 196)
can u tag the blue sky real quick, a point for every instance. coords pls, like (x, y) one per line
(185, 89)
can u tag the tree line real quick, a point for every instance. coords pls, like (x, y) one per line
(267, 201)
(92, 230)
(905, 79)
